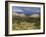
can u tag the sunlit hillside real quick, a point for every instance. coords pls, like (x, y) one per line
(25, 23)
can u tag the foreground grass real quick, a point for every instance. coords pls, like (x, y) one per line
(25, 23)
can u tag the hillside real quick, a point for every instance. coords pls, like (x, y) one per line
(25, 23)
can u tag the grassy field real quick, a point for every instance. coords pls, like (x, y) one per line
(25, 23)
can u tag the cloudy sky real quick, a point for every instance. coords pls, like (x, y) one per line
(26, 10)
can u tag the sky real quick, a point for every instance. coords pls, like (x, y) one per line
(26, 10)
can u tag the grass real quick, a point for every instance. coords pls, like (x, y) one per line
(25, 23)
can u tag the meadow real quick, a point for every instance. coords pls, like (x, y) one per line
(25, 23)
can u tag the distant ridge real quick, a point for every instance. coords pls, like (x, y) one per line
(23, 15)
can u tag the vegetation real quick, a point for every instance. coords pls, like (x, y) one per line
(25, 23)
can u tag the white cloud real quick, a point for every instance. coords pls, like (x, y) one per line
(18, 10)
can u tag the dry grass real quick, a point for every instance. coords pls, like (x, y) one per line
(25, 23)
